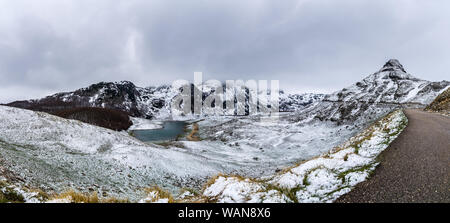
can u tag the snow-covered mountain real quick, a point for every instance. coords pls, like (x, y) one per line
(295, 102)
(148, 102)
(389, 88)
(124, 95)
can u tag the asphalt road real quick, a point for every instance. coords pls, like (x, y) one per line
(414, 168)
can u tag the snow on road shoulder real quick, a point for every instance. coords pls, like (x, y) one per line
(239, 190)
(322, 179)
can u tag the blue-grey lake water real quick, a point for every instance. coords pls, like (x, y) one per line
(170, 131)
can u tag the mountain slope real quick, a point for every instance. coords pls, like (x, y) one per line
(441, 103)
(124, 96)
(389, 88)
(51, 153)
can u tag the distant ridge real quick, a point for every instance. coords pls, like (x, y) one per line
(148, 102)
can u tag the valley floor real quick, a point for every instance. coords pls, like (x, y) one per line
(414, 168)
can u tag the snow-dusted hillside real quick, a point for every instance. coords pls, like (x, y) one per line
(124, 96)
(375, 95)
(52, 153)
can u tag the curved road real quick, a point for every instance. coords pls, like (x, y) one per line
(414, 168)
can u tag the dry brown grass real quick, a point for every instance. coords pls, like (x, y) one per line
(193, 135)
(441, 103)
(113, 200)
(78, 197)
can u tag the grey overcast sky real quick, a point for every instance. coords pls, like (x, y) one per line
(47, 46)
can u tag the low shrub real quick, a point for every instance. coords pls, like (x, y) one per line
(103, 117)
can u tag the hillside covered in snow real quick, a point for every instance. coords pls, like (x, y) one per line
(54, 154)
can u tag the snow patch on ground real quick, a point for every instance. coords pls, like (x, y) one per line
(156, 195)
(153, 197)
(236, 190)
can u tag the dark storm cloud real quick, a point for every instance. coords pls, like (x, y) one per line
(49, 46)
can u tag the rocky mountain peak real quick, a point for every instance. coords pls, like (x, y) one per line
(379, 93)
(393, 65)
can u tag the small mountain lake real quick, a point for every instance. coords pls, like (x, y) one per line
(170, 131)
